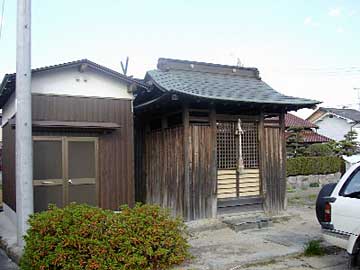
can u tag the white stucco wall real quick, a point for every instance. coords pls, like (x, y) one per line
(69, 81)
(335, 128)
(72, 82)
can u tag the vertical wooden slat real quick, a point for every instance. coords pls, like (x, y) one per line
(283, 161)
(213, 163)
(186, 123)
(261, 154)
(273, 165)
(169, 144)
(165, 179)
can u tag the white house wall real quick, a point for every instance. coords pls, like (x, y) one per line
(334, 128)
(71, 82)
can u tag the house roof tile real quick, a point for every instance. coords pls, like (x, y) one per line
(294, 121)
(351, 114)
(309, 136)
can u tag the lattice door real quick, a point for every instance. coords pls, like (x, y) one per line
(227, 145)
(231, 182)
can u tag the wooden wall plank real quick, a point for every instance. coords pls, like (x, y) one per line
(213, 163)
(139, 157)
(201, 177)
(283, 160)
(273, 166)
(165, 181)
(165, 174)
(186, 138)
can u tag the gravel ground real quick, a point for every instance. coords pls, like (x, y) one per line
(303, 197)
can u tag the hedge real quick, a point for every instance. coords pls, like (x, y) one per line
(82, 237)
(313, 165)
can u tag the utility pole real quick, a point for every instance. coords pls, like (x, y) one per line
(23, 146)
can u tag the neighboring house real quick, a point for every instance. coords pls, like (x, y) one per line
(307, 130)
(82, 136)
(335, 123)
(206, 141)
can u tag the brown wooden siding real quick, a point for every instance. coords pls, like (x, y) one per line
(116, 171)
(165, 171)
(139, 152)
(202, 180)
(273, 161)
(192, 191)
(8, 173)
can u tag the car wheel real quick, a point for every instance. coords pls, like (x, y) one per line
(353, 262)
(354, 259)
(320, 202)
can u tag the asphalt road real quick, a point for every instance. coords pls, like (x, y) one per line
(6, 263)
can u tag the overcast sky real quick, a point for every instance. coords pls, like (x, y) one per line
(304, 48)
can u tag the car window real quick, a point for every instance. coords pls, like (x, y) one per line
(353, 185)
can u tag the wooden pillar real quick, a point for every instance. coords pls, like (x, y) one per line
(186, 124)
(262, 157)
(213, 197)
(283, 161)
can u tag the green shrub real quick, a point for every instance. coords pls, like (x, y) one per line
(314, 248)
(313, 165)
(83, 237)
(319, 150)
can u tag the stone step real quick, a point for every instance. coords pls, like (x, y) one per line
(241, 224)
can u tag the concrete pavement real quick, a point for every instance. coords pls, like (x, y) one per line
(224, 249)
(6, 263)
(336, 261)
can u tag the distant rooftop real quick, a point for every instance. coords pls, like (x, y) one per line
(351, 114)
(309, 136)
(294, 121)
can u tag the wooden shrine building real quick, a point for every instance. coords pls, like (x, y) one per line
(210, 139)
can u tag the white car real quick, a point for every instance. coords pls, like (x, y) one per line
(338, 211)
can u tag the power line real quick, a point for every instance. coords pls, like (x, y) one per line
(2, 17)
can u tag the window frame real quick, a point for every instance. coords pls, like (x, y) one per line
(347, 182)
